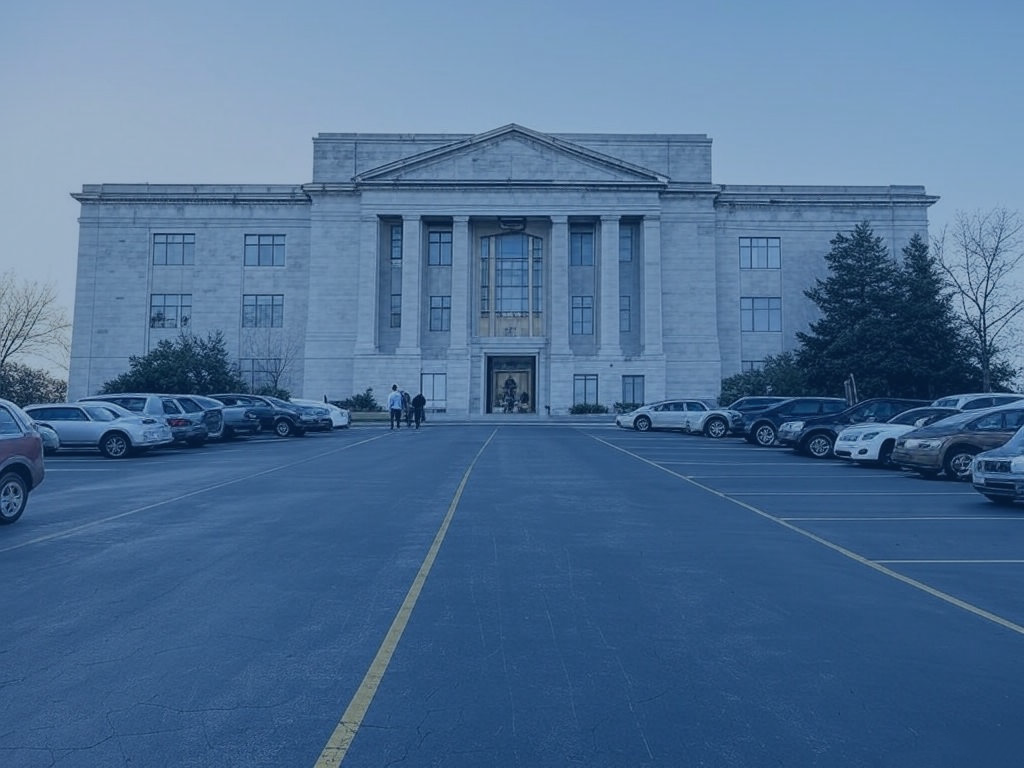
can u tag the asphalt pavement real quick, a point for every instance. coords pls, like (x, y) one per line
(486, 594)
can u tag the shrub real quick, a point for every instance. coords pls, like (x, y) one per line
(588, 408)
(363, 402)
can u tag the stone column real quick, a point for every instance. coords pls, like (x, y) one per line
(558, 311)
(368, 276)
(652, 327)
(608, 331)
(462, 269)
(412, 244)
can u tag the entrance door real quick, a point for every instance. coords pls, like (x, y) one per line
(511, 384)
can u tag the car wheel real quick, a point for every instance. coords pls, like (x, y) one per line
(885, 455)
(115, 445)
(819, 446)
(1002, 501)
(958, 463)
(13, 497)
(283, 428)
(716, 427)
(642, 424)
(764, 435)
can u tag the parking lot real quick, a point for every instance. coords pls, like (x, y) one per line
(521, 595)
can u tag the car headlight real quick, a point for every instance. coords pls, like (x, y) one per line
(1017, 465)
(870, 435)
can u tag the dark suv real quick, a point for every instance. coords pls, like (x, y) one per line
(749, 406)
(816, 435)
(282, 417)
(763, 427)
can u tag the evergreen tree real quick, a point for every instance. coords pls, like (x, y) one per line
(937, 357)
(859, 303)
(187, 365)
(781, 375)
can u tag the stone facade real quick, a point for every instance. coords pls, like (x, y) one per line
(455, 262)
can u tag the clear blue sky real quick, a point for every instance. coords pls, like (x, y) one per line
(790, 92)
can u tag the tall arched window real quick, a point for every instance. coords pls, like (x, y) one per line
(511, 283)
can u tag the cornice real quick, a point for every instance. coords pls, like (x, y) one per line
(170, 194)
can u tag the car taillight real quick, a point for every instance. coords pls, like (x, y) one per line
(178, 422)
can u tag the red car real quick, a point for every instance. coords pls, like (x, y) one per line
(21, 460)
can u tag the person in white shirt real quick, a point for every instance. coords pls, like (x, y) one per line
(395, 406)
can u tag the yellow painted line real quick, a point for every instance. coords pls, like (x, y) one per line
(68, 532)
(351, 720)
(873, 565)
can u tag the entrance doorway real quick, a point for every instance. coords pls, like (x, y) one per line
(511, 384)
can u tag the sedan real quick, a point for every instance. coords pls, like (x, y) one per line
(873, 443)
(998, 475)
(340, 417)
(665, 414)
(114, 431)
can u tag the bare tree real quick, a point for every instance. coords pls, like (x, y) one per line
(275, 352)
(981, 254)
(31, 321)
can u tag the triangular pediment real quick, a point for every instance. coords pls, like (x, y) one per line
(512, 154)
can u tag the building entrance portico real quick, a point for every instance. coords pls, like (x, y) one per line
(511, 384)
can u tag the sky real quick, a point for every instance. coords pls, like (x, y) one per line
(875, 92)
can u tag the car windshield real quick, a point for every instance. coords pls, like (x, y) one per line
(1017, 441)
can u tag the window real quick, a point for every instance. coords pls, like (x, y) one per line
(396, 242)
(439, 248)
(259, 373)
(537, 248)
(440, 313)
(760, 253)
(511, 276)
(174, 249)
(485, 275)
(582, 315)
(626, 241)
(263, 310)
(170, 310)
(264, 250)
(747, 366)
(584, 389)
(396, 310)
(581, 248)
(633, 389)
(624, 314)
(434, 387)
(761, 314)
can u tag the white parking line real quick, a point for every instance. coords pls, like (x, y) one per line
(954, 562)
(850, 493)
(971, 518)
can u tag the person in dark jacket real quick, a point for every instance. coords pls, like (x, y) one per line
(418, 404)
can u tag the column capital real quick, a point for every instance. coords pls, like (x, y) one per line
(559, 219)
(460, 219)
(609, 217)
(652, 217)
(413, 217)
(369, 218)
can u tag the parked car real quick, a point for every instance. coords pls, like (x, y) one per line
(711, 422)
(974, 401)
(816, 435)
(21, 461)
(998, 475)
(313, 418)
(117, 433)
(276, 415)
(950, 445)
(340, 417)
(234, 419)
(748, 406)
(873, 443)
(212, 413)
(762, 428)
(51, 440)
(664, 414)
(186, 427)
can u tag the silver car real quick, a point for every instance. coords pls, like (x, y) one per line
(116, 432)
(187, 426)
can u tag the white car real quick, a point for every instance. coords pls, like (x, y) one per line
(340, 417)
(874, 442)
(665, 414)
(115, 431)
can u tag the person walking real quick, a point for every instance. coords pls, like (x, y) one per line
(395, 406)
(407, 407)
(418, 404)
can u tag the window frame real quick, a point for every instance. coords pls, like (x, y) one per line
(254, 246)
(772, 247)
(252, 318)
(582, 315)
(752, 316)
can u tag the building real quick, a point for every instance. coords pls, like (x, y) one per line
(560, 269)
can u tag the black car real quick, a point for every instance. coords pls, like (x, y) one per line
(750, 405)
(816, 435)
(282, 418)
(763, 427)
